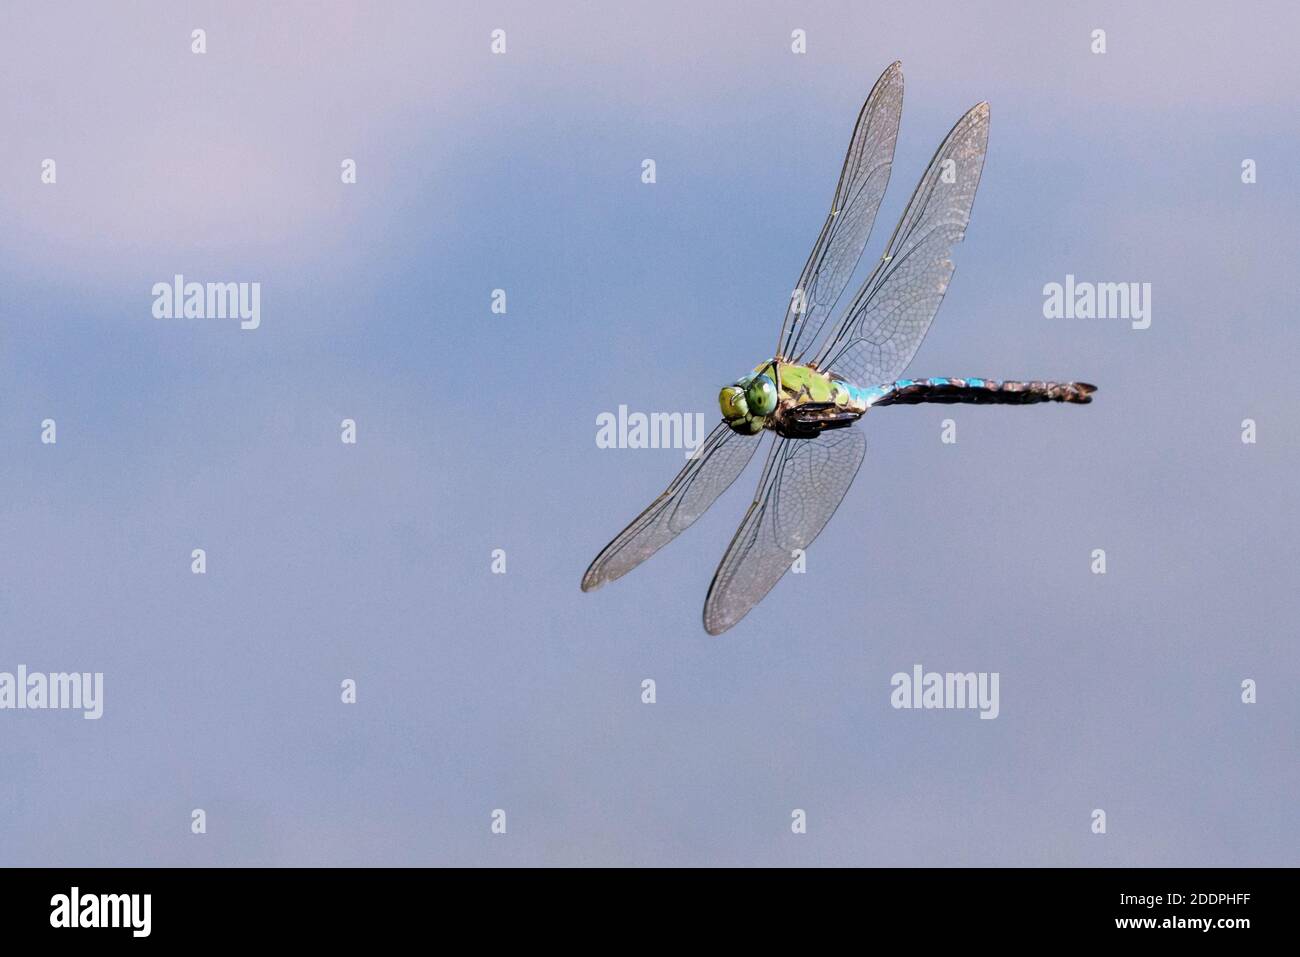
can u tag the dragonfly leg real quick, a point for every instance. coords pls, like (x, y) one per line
(812, 419)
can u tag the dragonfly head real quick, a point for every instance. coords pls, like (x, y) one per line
(748, 402)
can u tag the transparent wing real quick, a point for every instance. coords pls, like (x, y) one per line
(721, 457)
(838, 249)
(893, 310)
(803, 483)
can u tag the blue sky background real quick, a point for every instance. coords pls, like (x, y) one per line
(477, 431)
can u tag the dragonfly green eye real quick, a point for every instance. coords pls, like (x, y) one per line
(732, 401)
(760, 395)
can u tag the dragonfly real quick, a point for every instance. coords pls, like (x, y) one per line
(826, 376)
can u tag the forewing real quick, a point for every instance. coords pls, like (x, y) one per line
(803, 483)
(721, 457)
(838, 249)
(893, 310)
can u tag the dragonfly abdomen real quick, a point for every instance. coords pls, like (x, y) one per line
(981, 392)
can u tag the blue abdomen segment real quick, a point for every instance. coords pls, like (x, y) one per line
(871, 396)
(978, 392)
